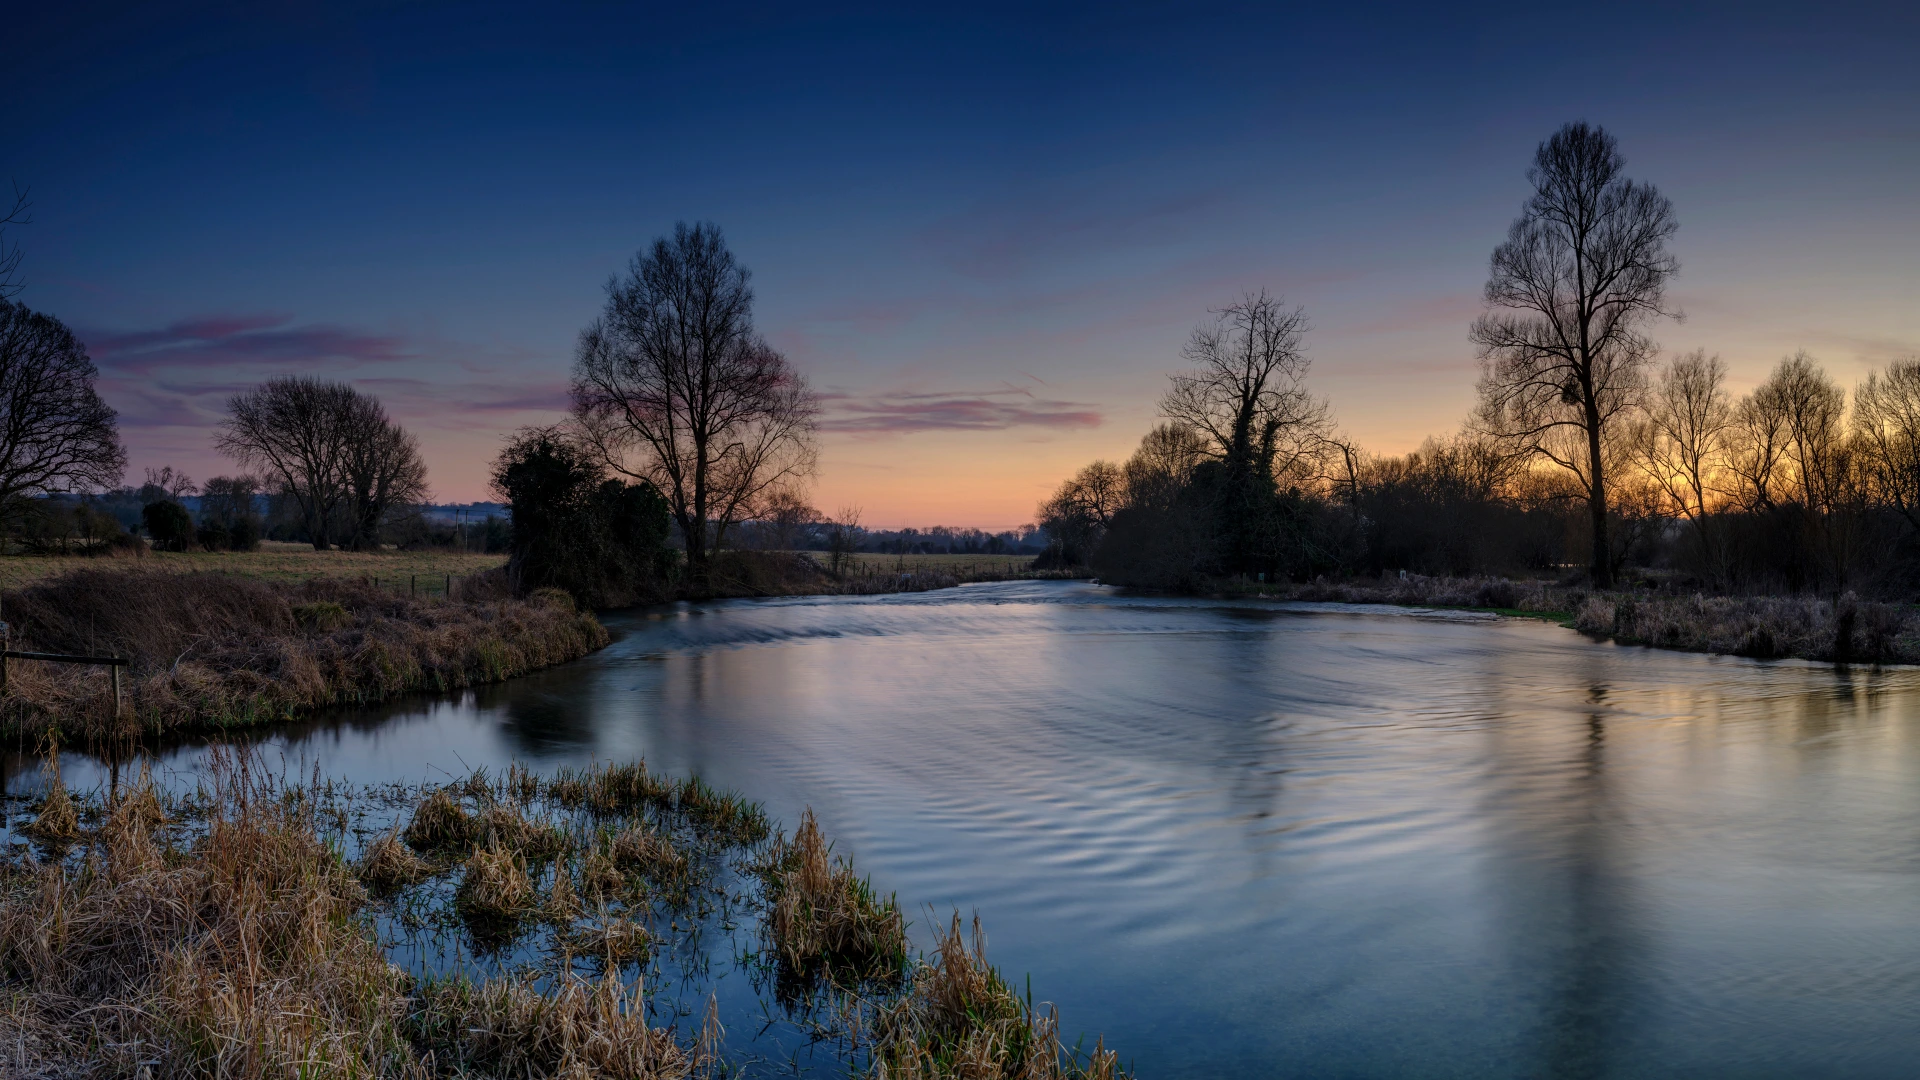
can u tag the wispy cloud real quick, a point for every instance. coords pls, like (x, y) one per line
(904, 412)
(170, 384)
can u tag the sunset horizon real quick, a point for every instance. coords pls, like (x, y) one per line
(416, 207)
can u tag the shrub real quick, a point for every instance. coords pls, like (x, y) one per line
(168, 525)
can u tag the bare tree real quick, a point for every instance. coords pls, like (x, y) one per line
(1246, 391)
(1681, 445)
(1164, 462)
(10, 254)
(56, 434)
(843, 539)
(381, 471)
(165, 483)
(1562, 348)
(672, 385)
(1886, 424)
(1814, 409)
(296, 429)
(786, 519)
(1757, 450)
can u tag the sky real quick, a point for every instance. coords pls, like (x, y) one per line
(982, 232)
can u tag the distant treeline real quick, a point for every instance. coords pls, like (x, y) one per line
(1585, 448)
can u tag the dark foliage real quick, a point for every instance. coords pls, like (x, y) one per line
(602, 540)
(168, 525)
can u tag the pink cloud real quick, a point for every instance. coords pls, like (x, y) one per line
(902, 412)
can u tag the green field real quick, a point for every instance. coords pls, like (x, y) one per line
(272, 562)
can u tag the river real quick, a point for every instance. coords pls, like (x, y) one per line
(1254, 839)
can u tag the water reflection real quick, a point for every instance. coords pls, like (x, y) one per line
(1308, 841)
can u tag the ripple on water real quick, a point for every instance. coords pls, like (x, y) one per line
(1243, 838)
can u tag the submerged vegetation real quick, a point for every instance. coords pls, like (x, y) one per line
(494, 926)
(213, 650)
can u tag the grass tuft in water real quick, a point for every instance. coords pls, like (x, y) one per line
(825, 919)
(440, 824)
(960, 1019)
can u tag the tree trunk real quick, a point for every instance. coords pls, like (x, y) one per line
(1602, 562)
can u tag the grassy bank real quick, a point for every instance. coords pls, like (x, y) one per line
(1845, 629)
(250, 928)
(220, 650)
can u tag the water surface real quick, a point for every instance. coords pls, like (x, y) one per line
(1250, 839)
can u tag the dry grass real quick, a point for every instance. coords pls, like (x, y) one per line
(238, 948)
(230, 934)
(646, 852)
(611, 938)
(511, 1027)
(496, 887)
(387, 865)
(440, 823)
(960, 1020)
(826, 920)
(218, 650)
(57, 820)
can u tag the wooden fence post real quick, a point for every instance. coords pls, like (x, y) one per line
(412, 580)
(116, 690)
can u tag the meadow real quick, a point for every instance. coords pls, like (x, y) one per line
(274, 561)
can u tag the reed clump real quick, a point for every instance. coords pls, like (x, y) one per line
(612, 938)
(440, 824)
(507, 825)
(216, 650)
(827, 920)
(618, 789)
(646, 852)
(960, 1020)
(57, 820)
(723, 814)
(495, 886)
(387, 865)
(511, 1027)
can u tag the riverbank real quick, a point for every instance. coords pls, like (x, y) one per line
(216, 650)
(1843, 630)
(498, 925)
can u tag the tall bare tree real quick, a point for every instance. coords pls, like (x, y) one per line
(56, 434)
(1246, 390)
(1886, 424)
(1562, 344)
(672, 385)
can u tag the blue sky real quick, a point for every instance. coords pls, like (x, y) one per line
(984, 233)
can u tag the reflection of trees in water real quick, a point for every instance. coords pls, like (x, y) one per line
(1569, 926)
